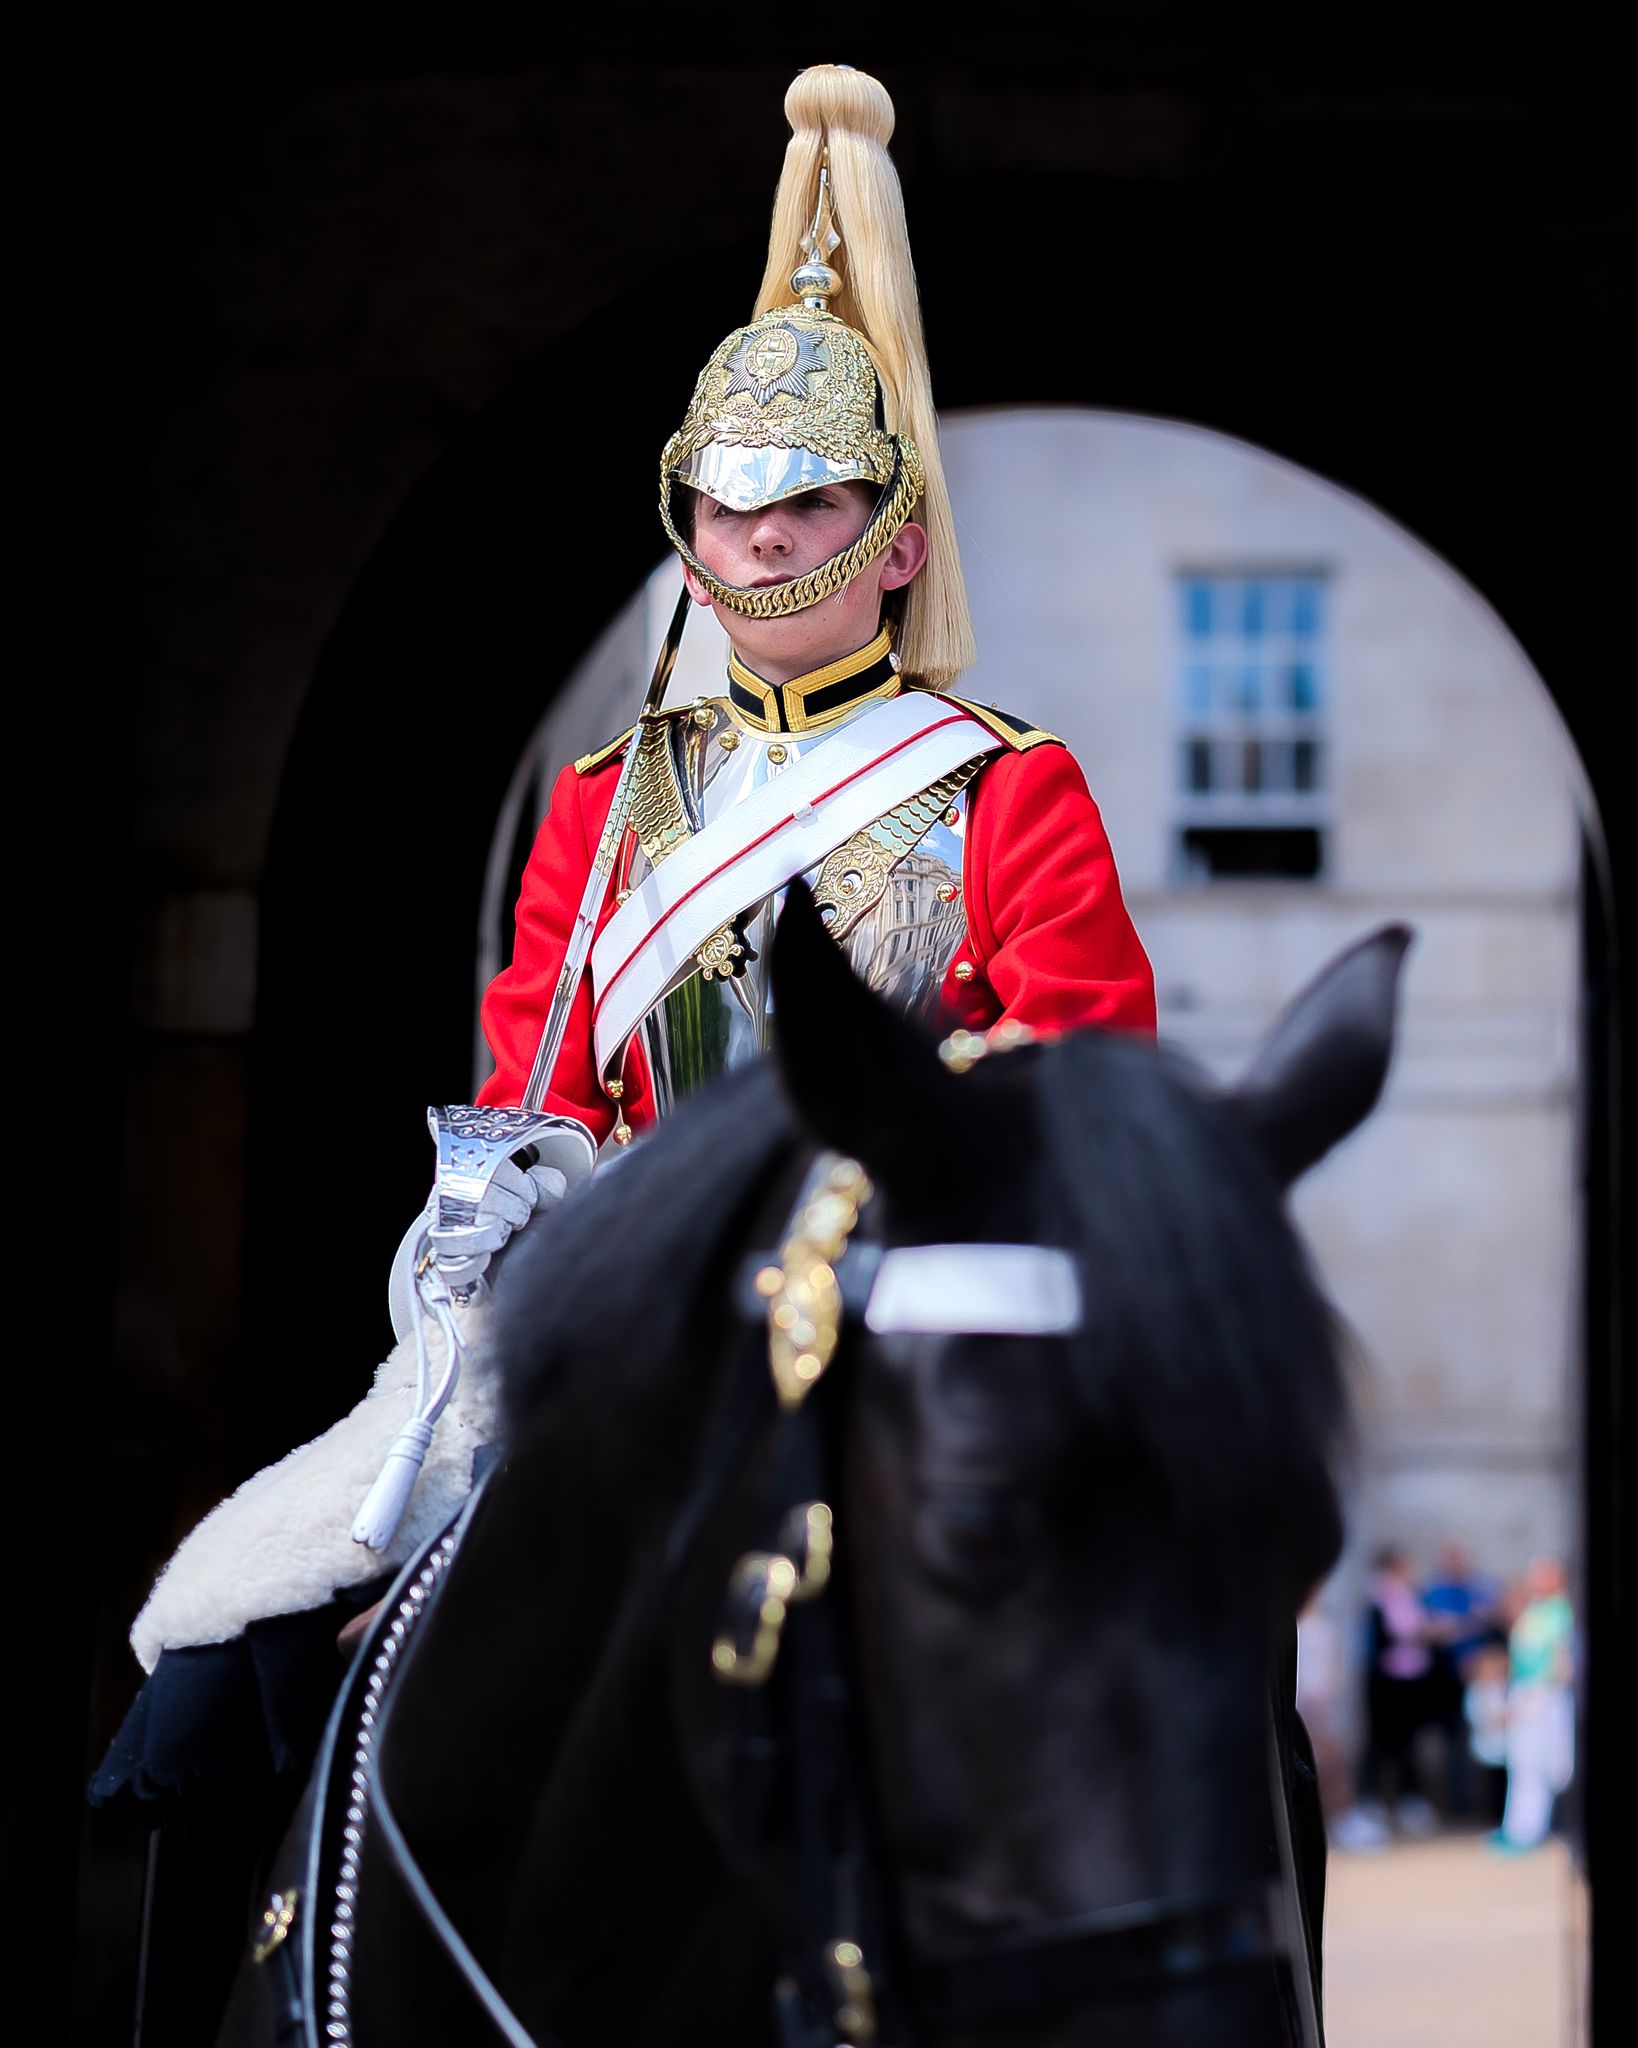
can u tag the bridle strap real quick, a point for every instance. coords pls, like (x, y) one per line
(944, 1290)
(835, 1878)
(1130, 1949)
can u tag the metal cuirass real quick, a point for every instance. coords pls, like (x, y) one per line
(892, 894)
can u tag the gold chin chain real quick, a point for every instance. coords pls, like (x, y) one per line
(779, 600)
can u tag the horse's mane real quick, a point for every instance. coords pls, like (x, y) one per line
(1209, 1360)
(627, 1263)
(1208, 1349)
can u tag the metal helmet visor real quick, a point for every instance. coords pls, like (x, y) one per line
(745, 478)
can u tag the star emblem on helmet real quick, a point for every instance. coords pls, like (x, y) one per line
(771, 360)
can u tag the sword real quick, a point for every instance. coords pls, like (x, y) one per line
(591, 901)
(471, 1144)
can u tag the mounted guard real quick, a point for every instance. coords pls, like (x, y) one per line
(954, 850)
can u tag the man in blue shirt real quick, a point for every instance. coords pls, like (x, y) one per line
(1464, 1606)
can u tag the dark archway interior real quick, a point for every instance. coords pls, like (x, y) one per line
(1393, 264)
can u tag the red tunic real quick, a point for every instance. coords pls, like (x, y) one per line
(1048, 935)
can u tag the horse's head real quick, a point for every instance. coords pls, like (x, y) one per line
(1069, 1556)
(1074, 1501)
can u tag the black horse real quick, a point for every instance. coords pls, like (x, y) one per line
(983, 1753)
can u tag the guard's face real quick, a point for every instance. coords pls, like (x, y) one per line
(776, 542)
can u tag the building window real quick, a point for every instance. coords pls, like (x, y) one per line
(1252, 768)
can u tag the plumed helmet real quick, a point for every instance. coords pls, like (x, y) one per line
(828, 382)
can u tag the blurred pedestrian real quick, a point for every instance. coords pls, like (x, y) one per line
(1484, 1713)
(1540, 1706)
(1462, 1606)
(1398, 1696)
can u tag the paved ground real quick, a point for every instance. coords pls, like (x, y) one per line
(1437, 1944)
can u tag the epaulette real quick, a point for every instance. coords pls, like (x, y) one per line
(1018, 733)
(600, 756)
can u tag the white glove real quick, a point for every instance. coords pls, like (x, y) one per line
(513, 1197)
(510, 1200)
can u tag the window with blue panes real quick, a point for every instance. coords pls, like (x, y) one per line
(1252, 767)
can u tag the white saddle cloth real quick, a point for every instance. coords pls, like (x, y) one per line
(283, 1542)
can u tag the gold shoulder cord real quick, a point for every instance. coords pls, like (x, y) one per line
(599, 755)
(657, 812)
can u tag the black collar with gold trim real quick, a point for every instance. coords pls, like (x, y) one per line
(819, 697)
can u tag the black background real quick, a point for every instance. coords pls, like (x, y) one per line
(1394, 249)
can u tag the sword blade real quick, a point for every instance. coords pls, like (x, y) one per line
(584, 929)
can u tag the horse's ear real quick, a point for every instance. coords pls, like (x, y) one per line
(862, 1078)
(1320, 1070)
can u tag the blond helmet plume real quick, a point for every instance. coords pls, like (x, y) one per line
(844, 118)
